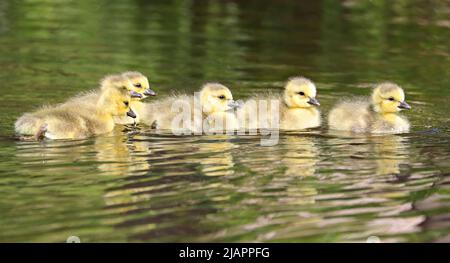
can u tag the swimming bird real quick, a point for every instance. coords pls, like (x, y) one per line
(76, 118)
(377, 114)
(208, 110)
(295, 109)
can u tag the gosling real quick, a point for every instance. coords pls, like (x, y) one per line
(379, 114)
(139, 91)
(76, 119)
(297, 108)
(214, 106)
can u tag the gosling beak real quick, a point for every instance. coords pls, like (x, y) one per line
(149, 92)
(131, 114)
(234, 104)
(313, 101)
(404, 105)
(135, 94)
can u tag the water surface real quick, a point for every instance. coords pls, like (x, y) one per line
(139, 185)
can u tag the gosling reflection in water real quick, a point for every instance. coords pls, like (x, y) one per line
(218, 159)
(113, 154)
(55, 154)
(294, 155)
(120, 154)
(299, 160)
(280, 169)
(378, 154)
(301, 156)
(391, 154)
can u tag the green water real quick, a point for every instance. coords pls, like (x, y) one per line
(141, 185)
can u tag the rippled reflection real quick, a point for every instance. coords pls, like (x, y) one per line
(122, 154)
(301, 156)
(153, 186)
(392, 154)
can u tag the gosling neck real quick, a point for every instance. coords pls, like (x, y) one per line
(377, 109)
(104, 114)
(102, 110)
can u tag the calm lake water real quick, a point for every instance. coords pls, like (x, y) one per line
(138, 185)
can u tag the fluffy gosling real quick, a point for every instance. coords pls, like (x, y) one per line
(378, 114)
(216, 105)
(297, 108)
(76, 118)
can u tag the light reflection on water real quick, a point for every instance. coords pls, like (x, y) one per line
(137, 184)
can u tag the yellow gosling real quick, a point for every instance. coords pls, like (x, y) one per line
(297, 108)
(377, 114)
(215, 103)
(76, 119)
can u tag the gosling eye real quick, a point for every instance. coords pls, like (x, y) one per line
(222, 97)
(391, 99)
(126, 103)
(301, 93)
(138, 85)
(124, 88)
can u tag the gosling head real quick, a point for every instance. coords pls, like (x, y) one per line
(115, 81)
(300, 92)
(140, 86)
(215, 97)
(388, 97)
(115, 101)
